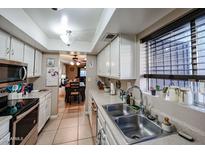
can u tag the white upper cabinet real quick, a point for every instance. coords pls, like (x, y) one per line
(118, 59)
(4, 45)
(103, 62)
(106, 64)
(38, 63)
(17, 50)
(115, 58)
(29, 59)
(127, 57)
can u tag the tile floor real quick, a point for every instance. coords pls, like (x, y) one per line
(71, 127)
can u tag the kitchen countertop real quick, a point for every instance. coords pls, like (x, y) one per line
(36, 94)
(102, 98)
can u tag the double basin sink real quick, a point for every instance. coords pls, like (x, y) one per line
(134, 126)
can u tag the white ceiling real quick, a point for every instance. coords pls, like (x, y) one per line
(131, 21)
(82, 21)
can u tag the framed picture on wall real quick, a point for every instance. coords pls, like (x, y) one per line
(51, 62)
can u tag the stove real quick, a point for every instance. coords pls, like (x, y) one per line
(18, 106)
(23, 125)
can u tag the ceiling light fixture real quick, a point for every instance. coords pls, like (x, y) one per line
(77, 63)
(66, 37)
(72, 63)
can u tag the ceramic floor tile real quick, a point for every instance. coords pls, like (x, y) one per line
(46, 138)
(60, 116)
(83, 120)
(66, 135)
(84, 132)
(52, 124)
(70, 143)
(61, 110)
(88, 141)
(71, 110)
(70, 122)
(70, 115)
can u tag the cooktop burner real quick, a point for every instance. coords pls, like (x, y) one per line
(16, 107)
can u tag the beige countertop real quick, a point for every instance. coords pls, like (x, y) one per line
(36, 94)
(102, 98)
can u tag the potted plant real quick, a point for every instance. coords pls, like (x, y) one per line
(164, 92)
(153, 91)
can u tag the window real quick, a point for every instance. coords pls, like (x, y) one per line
(82, 72)
(175, 54)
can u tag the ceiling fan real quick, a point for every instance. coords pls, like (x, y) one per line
(77, 61)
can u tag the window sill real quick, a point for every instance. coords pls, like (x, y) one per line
(193, 107)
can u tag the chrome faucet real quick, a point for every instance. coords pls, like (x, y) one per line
(141, 97)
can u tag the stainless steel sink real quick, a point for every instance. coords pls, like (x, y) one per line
(116, 110)
(137, 128)
(134, 127)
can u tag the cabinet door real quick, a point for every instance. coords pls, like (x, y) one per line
(99, 63)
(115, 58)
(102, 63)
(29, 59)
(48, 106)
(38, 63)
(107, 61)
(127, 57)
(17, 50)
(4, 45)
(41, 114)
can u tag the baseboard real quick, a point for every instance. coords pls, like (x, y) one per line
(54, 116)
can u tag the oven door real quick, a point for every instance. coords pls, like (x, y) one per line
(25, 127)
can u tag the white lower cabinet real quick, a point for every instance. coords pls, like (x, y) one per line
(105, 136)
(4, 130)
(48, 106)
(44, 111)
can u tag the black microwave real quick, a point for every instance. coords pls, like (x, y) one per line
(12, 71)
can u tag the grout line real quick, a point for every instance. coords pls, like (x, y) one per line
(58, 127)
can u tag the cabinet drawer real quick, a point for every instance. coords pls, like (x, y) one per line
(5, 140)
(4, 129)
(101, 119)
(110, 137)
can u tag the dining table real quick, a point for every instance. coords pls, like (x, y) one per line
(80, 89)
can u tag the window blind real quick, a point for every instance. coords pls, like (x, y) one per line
(178, 54)
(175, 55)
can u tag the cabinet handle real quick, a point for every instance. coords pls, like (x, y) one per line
(12, 51)
(7, 51)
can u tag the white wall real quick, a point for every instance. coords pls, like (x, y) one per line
(91, 76)
(40, 83)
